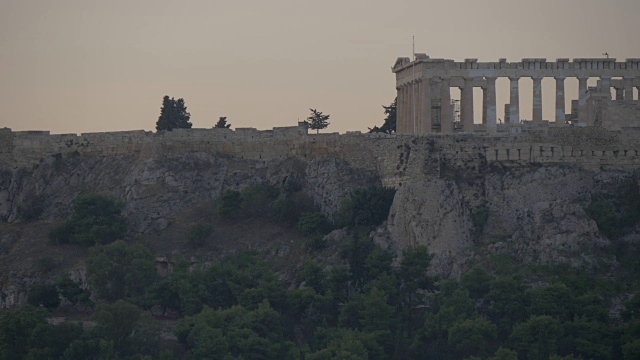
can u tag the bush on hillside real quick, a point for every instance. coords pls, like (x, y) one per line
(367, 207)
(230, 204)
(96, 219)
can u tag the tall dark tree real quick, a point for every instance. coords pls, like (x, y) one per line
(222, 123)
(317, 120)
(173, 115)
(389, 125)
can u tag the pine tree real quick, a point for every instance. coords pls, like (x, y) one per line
(173, 115)
(389, 125)
(317, 120)
(222, 123)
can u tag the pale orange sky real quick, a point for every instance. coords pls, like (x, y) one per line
(73, 66)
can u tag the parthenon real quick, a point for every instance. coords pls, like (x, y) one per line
(424, 98)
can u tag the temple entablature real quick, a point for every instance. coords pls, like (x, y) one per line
(424, 102)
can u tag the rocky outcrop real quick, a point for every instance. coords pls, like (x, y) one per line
(431, 212)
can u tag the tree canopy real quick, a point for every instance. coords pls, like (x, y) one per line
(173, 115)
(389, 125)
(222, 123)
(317, 120)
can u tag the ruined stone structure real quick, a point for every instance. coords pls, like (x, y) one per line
(424, 92)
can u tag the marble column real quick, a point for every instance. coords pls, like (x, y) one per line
(582, 99)
(405, 112)
(466, 105)
(446, 116)
(491, 113)
(484, 106)
(561, 118)
(605, 86)
(514, 108)
(537, 99)
(628, 90)
(425, 107)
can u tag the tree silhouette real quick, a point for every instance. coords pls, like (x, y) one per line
(389, 125)
(222, 123)
(173, 115)
(317, 120)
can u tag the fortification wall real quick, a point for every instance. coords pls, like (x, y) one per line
(388, 155)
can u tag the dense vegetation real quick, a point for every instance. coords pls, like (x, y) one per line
(365, 303)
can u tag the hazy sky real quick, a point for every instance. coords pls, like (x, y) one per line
(72, 66)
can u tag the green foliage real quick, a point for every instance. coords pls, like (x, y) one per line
(173, 115)
(222, 123)
(72, 291)
(257, 198)
(367, 207)
(25, 334)
(45, 295)
(389, 125)
(617, 214)
(199, 234)
(118, 271)
(287, 210)
(236, 332)
(230, 204)
(317, 120)
(311, 223)
(537, 338)
(96, 220)
(504, 354)
(472, 337)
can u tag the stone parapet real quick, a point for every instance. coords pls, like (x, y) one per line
(388, 155)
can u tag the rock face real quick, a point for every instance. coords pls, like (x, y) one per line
(431, 212)
(534, 214)
(152, 189)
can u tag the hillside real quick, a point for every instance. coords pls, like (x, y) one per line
(554, 217)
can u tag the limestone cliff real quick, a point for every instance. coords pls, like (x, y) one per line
(462, 196)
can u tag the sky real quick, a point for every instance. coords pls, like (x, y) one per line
(76, 66)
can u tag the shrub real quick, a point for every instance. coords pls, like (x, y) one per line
(313, 223)
(367, 207)
(257, 198)
(199, 234)
(96, 220)
(72, 291)
(287, 210)
(230, 204)
(45, 295)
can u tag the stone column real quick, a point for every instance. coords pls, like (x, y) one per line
(619, 93)
(466, 105)
(446, 116)
(561, 118)
(605, 86)
(405, 112)
(514, 108)
(491, 113)
(628, 89)
(582, 99)
(537, 99)
(425, 107)
(398, 107)
(484, 105)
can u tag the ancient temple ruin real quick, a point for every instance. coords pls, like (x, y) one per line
(424, 97)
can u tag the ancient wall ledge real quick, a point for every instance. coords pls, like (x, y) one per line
(569, 145)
